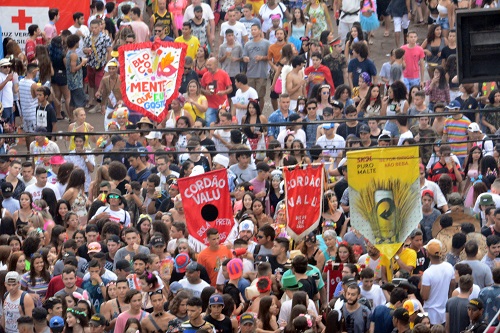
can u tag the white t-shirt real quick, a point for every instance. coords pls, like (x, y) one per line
(475, 291)
(219, 146)
(494, 196)
(375, 296)
(439, 198)
(36, 191)
(404, 136)
(242, 98)
(438, 278)
(195, 288)
(286, 310)
(331, 147)
(265, 13)
(208, 14)
(85, 31)
(238, 28)
(119, 216)
(298, 135)
(7, 94)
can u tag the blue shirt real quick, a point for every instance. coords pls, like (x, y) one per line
(491, 299)
(277, 117)
(95, 293)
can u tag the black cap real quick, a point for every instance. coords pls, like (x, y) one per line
(7, 187)
(364, 129)
(156, 241)
(91, 227)
(337, 104)
(123, 265)
(327, 111)
(114, 238)
(293, 117)
(198, 8)
(401, 314)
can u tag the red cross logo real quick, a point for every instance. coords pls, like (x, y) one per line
(22, 19)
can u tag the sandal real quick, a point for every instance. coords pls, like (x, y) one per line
(370, 42)
(386, 33)
(89, 106)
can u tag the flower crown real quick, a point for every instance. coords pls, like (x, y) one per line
(308, 317)
(74, 311)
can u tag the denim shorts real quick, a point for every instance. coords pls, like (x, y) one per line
(443, 22)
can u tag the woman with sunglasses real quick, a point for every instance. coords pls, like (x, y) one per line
(311, 251)
(323, 98)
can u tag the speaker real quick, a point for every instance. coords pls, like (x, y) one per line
(478, 45)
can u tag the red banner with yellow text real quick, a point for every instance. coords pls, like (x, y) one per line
(304, 199)
(16, 16)
(207, 204)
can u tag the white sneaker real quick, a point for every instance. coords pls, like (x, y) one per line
(95, 109)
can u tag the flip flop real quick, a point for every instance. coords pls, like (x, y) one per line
(386, 33)
(370, 42)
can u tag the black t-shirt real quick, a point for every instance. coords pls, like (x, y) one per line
(210, 145)
(275, 265)
(309, 286)
(222, 326)
(46, 117)
(446, 52)
(422, 262)
(175, 276)
(343, 130)
(469, 104)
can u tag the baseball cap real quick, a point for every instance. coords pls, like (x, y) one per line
(98, 319)
(384, 135)
(454, 105)
(7, 187)
(175, 287)
(364, 129)
(114, 238)
(198, 8)
(157, 241)
(485, 200)
(247, 318)
(56, 322)
(412, 306)
(294, 117)
(94, 247)
(153, 135)
(337, 104)
(434, 247)
(235, 268)
(123, 265)
(197, 170)
(428, 192)
(193, 266)
(246, 225)
(216, 299)
(476, 304)
(5, 62)
(181, 262)
(327, 111)
(474, 127)
(328, 126)
(12, 277)
(401, 314)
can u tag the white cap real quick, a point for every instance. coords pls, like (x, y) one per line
(474, 127)
(221, 159)
(246, 225)
(384, 133)
(197, 170)
(153, 135)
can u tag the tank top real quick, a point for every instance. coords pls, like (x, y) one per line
(166, 19)
(298, 32)
(434, 58)
(78, 206)
(11, 312)
(248, 132)
(28, 103)
(442, 9)
(72, 138)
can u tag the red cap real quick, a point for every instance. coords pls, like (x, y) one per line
(429, 193)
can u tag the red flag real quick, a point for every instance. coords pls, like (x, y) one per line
(333, 278)
(304, 193)
(207, 204)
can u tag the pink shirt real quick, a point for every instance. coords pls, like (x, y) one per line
(141, 31)
(123, 317)
(412, 57)
(50, 30)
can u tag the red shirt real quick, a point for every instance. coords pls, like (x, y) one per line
(221, 81)
(57, 284)
(322, 73)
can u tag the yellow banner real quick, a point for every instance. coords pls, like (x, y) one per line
(384, 195)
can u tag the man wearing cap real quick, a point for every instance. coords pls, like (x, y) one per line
(154, 142)
(218, 319)
(192, 280)
(247, 323)
(290, 285)
(56, 324)
(113, 211)
(482, 140)
(337, 63)
(41, 183)
(438, 197)
(246, 230)
(97, 323)
(332, 143)
(16, 303)
(8, 202)
(475, 311)
(455, 131)
(42, 145)
(364, 134)
(55, 163)
(109, 91)
(437, 282)
(7, 97)
(401, 320)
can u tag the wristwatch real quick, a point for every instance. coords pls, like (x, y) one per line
(396, 257)
(101, 284)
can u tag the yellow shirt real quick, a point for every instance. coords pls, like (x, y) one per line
(193, 44)
(193, 110)
(408, 256)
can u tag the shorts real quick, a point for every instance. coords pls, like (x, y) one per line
(29, 126)
(273, 94)
(431, 20)
(77, 98)
(443, 22)
(258, 84)
(95, 76)
(401, 23)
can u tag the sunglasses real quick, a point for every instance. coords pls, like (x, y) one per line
(105, 192)
(5, 67)
(260, 236)
(151, 293)
(158, 31)
(422, 314)
(311, 108)
(114, 196)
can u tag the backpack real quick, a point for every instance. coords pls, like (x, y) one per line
(21, 301)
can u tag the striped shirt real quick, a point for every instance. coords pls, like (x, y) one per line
(39, 288)
(456, 129)
(28, 103)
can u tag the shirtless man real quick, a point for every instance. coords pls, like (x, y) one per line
(112, 308)
(159, 320)
(178, 210)
(295, 83)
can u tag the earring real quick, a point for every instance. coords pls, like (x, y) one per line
(78, 321)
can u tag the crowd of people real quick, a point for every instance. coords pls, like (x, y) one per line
(93, 232)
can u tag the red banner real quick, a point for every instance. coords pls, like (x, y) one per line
(207, 204)
(304, 193)
(16, 16)
(333, 278)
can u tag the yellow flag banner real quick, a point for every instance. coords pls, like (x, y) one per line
(384, 195)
